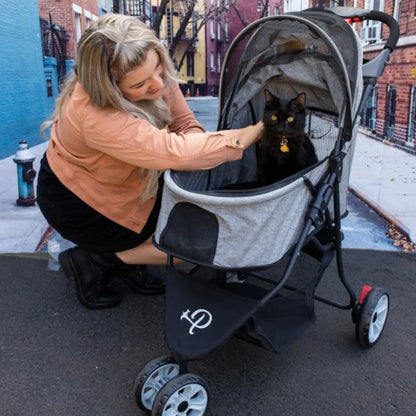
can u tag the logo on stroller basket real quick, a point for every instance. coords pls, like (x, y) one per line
(201, 318)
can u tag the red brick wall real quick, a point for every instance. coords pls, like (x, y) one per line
(63, 15)
(400, 71)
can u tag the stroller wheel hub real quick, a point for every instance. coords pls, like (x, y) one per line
(154, 375)
(186, 394)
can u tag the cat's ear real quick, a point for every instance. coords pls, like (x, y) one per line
(268, 96)
(298, 103)
(301, 98)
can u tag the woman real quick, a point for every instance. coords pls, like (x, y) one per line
(120, 121)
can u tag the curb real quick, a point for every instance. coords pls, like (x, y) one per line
(44, 239)
(380, 211)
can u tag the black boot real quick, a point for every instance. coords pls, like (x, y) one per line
(139, 279)
(91, 273)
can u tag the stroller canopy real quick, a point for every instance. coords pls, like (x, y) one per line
(309, 51)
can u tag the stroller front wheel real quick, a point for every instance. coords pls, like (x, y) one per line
(372, 317)
(183, 395)
(153, 376)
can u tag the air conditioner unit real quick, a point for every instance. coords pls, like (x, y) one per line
(212, 36)
(213, 69)
(369, 33)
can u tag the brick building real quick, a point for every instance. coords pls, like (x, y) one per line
(391, 109)
(72, 17)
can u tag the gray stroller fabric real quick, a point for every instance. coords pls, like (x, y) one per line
(201, 222)
(253, 230)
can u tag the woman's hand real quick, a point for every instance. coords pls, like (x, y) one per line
(251, 134)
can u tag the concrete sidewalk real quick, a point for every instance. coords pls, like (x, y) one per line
(382, 175)
(21, 228)
(385, 178)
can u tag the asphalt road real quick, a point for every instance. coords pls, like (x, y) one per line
(58, 358)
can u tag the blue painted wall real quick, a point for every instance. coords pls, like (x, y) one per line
(24, 104)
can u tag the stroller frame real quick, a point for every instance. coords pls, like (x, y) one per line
(253, 309)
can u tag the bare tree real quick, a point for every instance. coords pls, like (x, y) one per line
(159, 16)
(264, 8)
(182, 27)
(211, 11)
(236, 9)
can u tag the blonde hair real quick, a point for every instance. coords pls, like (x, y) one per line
(110, 48)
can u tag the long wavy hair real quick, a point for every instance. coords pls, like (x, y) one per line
(113, 46)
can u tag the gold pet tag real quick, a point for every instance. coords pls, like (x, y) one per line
(283, 146)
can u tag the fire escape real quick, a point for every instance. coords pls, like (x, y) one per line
(138, 8)
(181, 23)
(54, 40)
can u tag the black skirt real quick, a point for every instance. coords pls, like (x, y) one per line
(76, 221)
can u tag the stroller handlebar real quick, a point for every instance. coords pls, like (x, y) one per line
(391, 22)
(353, 15)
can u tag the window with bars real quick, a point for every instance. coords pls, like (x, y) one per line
(370, 112)
(391, 111)
(412, 116)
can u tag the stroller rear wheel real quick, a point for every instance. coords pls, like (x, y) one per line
(184, 395)
(153, 376)
(372, 316)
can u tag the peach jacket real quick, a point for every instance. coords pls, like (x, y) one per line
(96, 153)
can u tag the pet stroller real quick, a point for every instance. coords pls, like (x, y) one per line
(242, 245)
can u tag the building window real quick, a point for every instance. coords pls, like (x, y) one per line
(211, 30)
(87, 19)
(190, 64)
(218, 62)
(370, 111)
(391, 111)
(371, 30)
(134, 8)
(295, 5)
(412, 116)
(78, 26)
(212, 62)
(397, 12)
(226, 34)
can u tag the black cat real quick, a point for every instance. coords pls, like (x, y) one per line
(284, 147)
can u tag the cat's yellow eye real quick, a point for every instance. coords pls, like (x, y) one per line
(290, 119)
(274, 118)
